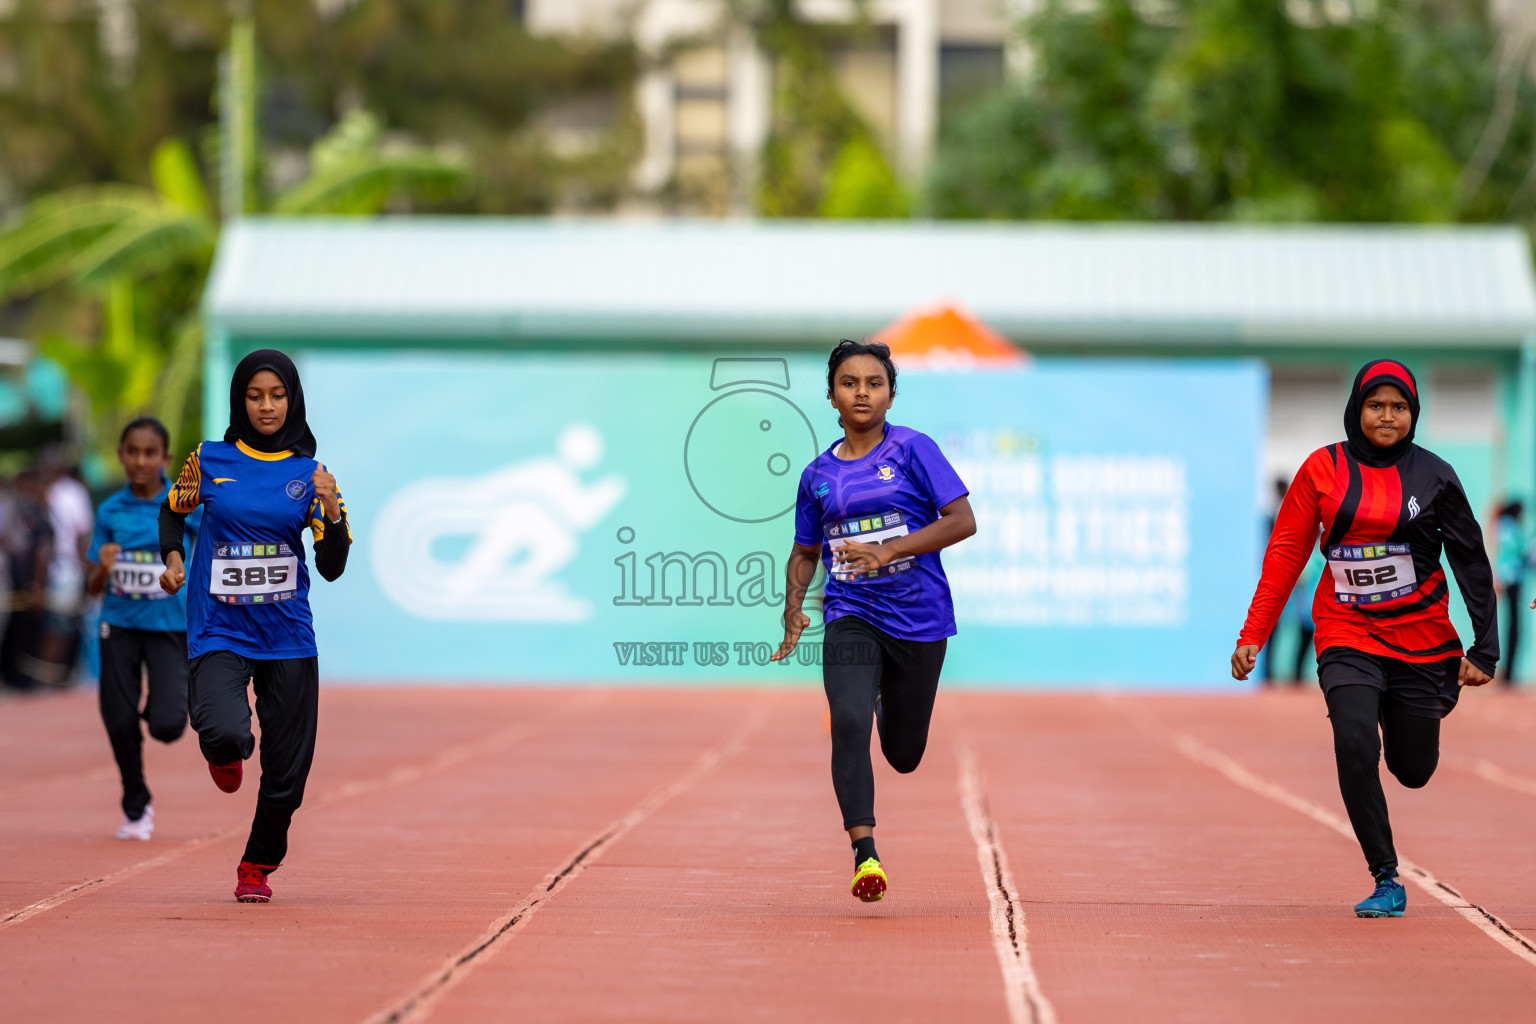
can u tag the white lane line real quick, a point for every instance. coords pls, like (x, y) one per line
(1490, 772)
(418, 1005)
(399, 776)
(1010, 937)
(1489, 923)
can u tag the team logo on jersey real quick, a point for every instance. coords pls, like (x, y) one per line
(822, 489)
(296, 489)
(1413, 506)
(886, 473)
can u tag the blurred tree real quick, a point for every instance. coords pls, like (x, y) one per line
(862, 185)
(1256, 110)
(821, 157)
(139, 255)
(113, 231)
(545, 122)
(83, 99)
(87, 90)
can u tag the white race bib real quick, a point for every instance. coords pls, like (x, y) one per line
(253, 573)
(868, 530)
(136, 575)
(1372, 573)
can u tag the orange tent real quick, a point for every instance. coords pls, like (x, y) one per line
(947, 338)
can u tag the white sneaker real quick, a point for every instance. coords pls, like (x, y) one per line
(140, 829)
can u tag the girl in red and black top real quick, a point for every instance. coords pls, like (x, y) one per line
(1381, 510)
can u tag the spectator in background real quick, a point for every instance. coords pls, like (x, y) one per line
(1511, 560)
(7, 511)
(28, 541)
(70, 516)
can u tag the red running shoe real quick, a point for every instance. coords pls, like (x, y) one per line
(251, 883)
(227, 776)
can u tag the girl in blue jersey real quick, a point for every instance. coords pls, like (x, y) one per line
(248, 618)
(876, 508)
(143, 629)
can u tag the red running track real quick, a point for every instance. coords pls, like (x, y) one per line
(568, 855)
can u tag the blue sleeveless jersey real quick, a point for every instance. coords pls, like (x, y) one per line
(247, 580)
(894, 490)
(133, 599)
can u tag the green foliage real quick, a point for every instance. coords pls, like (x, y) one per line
(863, 186)
(814, 126)
(143, 254)
(1254, 110)
(113, 228)
(464, 75)
(351, 174)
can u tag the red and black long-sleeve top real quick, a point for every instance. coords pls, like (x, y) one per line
(1382, 531)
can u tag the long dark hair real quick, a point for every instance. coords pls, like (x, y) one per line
(845, 350)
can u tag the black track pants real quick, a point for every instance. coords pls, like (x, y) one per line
(860, 663)
(1412, 745)
(287, 705)
(127, 657)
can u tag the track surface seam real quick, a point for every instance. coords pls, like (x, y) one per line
(398, 776)
(419, 1004)
(1482, 918)
(1027, 1004)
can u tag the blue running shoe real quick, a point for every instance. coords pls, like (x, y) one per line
(1389, 900)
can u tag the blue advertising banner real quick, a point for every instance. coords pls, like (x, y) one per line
(626, 518)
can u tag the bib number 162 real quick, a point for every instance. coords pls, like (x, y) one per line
(1371, 577)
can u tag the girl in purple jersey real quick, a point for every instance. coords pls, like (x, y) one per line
(876, 508)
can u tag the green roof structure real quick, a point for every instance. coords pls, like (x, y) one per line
(517, 282)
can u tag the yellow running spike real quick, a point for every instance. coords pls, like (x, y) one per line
(869, 881)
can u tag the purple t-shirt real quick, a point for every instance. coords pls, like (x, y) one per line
(894, 490)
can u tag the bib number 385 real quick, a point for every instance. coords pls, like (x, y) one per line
(253, 573)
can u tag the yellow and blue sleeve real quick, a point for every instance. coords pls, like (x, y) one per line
(318, 523)
(187, 492)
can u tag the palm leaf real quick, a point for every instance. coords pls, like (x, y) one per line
(177, 177)
(365, 184)
(40, 249)
(145, 244)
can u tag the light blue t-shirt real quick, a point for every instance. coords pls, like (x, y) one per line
(133, 599)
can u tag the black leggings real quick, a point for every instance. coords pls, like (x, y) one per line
(287, 704)
(1412, 745)
(128, 657)
(861, 663)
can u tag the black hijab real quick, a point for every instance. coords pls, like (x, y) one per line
(1372, 375)
(293, 435)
